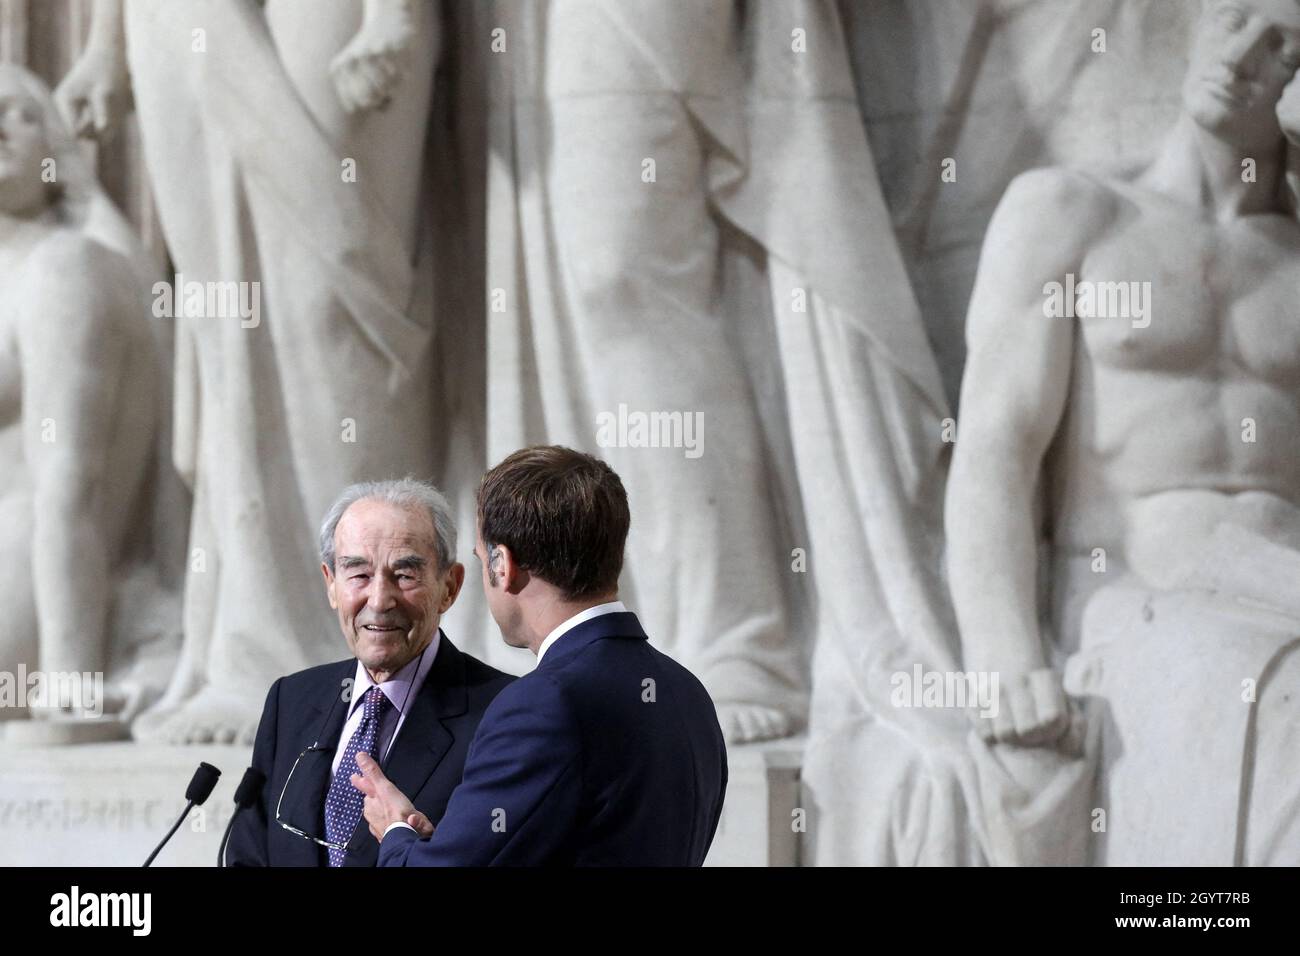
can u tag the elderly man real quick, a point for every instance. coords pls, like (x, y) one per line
(1158, 411)
(407, 696)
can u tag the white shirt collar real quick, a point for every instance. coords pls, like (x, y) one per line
(611, 607)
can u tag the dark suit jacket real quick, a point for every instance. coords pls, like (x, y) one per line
(425, 761)
(609, 753)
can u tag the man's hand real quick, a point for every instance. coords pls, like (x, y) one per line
(385, 804)
(96, 94)
(1032, 711)
(368, 69)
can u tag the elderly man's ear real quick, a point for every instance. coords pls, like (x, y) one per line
(329, 585)
(453, 580)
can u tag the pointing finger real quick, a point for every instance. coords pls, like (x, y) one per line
(370, 768)
(365, 785)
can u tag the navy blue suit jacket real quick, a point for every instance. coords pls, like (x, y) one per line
(426, 760)
(608, 753)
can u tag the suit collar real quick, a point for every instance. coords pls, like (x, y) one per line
(608, 607)
(618, 624)
(446, 679)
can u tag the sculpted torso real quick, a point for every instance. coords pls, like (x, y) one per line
(1135, 426)
(1154, 449)
(20, 259)
(72, 347)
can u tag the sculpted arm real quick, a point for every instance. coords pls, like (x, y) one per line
(96, 93)
(367, 71)
(1013, 397)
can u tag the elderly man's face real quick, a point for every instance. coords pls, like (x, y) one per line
(386, 585)
(23, 147)
(1246, 53)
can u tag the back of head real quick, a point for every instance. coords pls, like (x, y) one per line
(562, 514)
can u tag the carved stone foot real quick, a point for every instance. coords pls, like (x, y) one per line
(211, 716)
(746, 723)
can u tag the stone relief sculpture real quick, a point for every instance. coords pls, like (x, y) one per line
(685, 220)
(617, 123)
(1134, 358)
(865, 415)
(78, 407)
(284, 143)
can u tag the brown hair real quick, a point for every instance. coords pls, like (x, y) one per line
(562, 514)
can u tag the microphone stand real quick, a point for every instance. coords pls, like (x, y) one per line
(170, 833)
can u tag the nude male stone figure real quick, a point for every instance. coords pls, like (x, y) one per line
(1165, 450)
(77, 410)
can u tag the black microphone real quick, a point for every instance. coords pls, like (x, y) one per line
(202, 783)
(250, 788)
(247, 793)
(200, 788)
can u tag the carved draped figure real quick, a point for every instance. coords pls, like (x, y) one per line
(331, 384)
(685, 216)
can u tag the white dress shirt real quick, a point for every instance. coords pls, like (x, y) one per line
(401, 690)
(612, 607)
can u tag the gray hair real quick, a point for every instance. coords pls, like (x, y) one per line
(407, 493)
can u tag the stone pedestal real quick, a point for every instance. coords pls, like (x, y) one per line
(109, 804)
(760, 825)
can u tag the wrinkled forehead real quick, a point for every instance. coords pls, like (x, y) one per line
(1284, 14)
(384, 526)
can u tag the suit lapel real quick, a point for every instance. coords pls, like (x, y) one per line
(422, 741)
(335, 715)
(303, 803)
